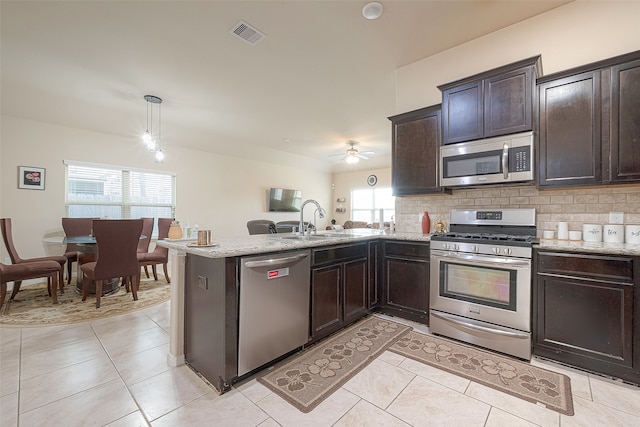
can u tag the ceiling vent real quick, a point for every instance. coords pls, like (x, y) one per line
(248, 33)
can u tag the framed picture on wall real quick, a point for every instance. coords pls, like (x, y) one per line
(31, 178)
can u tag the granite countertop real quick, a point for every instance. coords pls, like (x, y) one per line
(595, 247)
(265, 243)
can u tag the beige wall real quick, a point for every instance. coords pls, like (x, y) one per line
(217, 192)
(576, 34)
(344, 183)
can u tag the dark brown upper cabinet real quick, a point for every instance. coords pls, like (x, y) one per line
(569, 139)
(493, 103)
(415, 159)
(624, 133)
(589, 128)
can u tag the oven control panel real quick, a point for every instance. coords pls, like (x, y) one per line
(481, 248)
(490, 215)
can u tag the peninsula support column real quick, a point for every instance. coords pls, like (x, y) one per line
(176, 330)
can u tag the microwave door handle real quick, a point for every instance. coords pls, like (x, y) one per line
(505, 160)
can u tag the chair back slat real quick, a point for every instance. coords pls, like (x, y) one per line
(147, 230)
(117, 241)
(7, 236)
(76, 227)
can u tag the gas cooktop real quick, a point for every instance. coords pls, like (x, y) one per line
(497, 238)
(512, 227)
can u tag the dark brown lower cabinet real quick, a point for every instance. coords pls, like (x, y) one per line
(406, 280)
(338, 287)
(587, 312)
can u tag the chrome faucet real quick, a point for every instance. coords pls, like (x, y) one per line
(320, 212)
(319, 209)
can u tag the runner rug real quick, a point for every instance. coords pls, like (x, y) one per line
(540, 386)
(320, 370)
(32, 306)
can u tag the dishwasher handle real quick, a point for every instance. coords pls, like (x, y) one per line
(276, 262)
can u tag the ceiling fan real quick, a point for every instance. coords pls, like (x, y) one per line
(353, 155)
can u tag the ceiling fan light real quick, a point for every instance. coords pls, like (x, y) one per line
(351, 159)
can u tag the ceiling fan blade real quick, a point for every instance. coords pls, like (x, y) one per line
(367, 152)
(335, 155)
(361, 156)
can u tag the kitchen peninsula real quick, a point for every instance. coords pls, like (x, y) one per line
(226, 253)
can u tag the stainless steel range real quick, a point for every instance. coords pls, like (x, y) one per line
(481, 279)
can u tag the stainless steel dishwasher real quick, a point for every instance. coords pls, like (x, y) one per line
(274, 307)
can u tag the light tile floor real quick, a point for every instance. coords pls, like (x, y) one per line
(114, 372)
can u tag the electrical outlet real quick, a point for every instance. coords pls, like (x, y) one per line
(616, 217)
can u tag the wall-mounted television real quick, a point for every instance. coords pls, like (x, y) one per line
(283, 200)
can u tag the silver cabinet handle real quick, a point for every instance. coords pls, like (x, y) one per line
(468, 325)
(505, 160)
(275, 262)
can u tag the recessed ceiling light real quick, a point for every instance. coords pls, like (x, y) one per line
(286, 140)
(372, 10)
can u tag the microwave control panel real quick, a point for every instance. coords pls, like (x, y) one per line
(520, 159)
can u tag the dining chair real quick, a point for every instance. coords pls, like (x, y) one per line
(143, 243)
(159, 255)
(117, 241)
(7, 237)
(16, 273)
(74, 227)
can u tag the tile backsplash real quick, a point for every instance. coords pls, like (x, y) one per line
(576, 206)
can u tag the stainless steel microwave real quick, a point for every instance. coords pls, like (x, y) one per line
(487, 161)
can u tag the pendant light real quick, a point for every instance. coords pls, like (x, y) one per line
(151, 140)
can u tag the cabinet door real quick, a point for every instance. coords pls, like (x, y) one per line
(415, 152)
(569, 139)
(326, 306)
(462, 116)
(407, 286)
(584, 322)
(508, 101)
(625, 122)
(355, 289)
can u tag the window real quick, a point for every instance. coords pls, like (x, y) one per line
(104, 191)
(366, 205)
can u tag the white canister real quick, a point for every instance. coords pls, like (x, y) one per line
(632, 234)
(547, 234)
(575, 235)
(613, 233)
(592, 232)
(563, 230)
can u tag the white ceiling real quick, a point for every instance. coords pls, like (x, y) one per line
(323, 75)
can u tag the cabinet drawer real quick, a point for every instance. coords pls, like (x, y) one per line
(338, 253)
(404, 249)
(611, 268)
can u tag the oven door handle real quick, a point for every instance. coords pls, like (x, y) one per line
(468, 325)
(484, 261)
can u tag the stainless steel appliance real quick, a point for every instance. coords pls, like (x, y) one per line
(274, 307)
(481, 279)
(487, 161)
